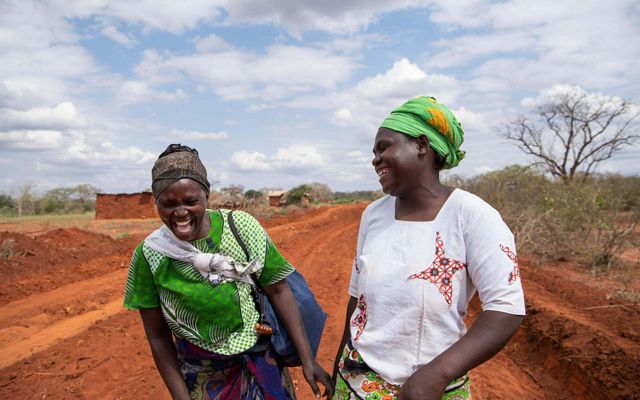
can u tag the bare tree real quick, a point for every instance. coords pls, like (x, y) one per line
(572, 131)
(26, 198)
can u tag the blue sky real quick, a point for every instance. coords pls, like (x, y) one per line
(276, 93)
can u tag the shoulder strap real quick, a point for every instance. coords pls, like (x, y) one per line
(236, 235)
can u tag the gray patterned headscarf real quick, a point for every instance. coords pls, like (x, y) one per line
(175, 163)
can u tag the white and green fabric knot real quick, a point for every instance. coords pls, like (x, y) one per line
(214, 267)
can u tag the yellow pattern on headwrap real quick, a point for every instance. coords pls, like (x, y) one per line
(439, 121)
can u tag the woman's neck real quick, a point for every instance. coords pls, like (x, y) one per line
(423, 203)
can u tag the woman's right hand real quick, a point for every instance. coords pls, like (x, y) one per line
(315, 373)
(164, 352)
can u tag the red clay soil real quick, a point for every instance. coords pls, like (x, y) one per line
(66, 336)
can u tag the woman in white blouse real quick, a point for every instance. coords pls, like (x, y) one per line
(423, 251)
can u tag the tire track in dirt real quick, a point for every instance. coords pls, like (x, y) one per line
(26, 327)
(43, 339)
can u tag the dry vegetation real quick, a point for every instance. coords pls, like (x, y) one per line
(594, 223)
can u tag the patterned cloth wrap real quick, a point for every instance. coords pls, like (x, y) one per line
(424, 116)
(246, 376)
(173, 166)
(357, 381)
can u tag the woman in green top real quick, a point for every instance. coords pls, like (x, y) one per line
(202, 326)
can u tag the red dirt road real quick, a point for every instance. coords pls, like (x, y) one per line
(66, 336)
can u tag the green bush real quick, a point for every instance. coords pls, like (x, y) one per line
(7, 205)
(294, 196)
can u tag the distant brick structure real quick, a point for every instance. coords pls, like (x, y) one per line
(276, 198)
(125, 205)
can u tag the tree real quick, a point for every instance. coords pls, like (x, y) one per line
(295, 195)
(25, 201)
(571, 131)
(80, 198)
(319, 192)
(7, 203)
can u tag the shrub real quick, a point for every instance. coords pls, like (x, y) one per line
(593, 220)
(294, 196)
(6, 248)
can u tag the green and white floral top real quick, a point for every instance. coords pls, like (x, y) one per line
(218, 318)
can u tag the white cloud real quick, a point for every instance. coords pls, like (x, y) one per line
(342, 117)
(524, 45)
(471, 121)
(292, 159)
(164, 15)
(135, 91)
(41, 140)
(593, 99)
(107, 154)
(119, 37)
(250, 161)
(211, 43)
(298, 16)
(62, 116)
(370, 100)
(179, 134)
(282, 71)
(298, 156)
(405, 79)
(55, 61)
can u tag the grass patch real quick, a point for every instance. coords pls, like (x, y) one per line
(57, 219)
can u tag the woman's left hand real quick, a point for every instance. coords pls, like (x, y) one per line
(315, 373)
(424, 384)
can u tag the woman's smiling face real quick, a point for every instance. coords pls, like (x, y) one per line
(397, 162)
(183, 209)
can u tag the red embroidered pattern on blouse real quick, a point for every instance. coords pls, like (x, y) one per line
(360, 321)
(513, 276)
(441, 271)
(355, 264)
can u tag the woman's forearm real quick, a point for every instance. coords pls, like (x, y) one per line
(489, 333)
(167, 364)
(346, 334)
(288, 312)
(286, 307)
(164, 352)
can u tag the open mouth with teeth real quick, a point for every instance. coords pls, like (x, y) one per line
(182, 227)
(381, 172)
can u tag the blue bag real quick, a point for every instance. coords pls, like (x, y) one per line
(313, 316)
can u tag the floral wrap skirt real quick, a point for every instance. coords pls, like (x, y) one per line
(247, 376)
(356, 380)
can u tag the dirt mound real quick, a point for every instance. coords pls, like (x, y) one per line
(56, 258)
(587, 340)
(71, 338)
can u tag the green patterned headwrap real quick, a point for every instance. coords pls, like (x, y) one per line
(425, 116)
